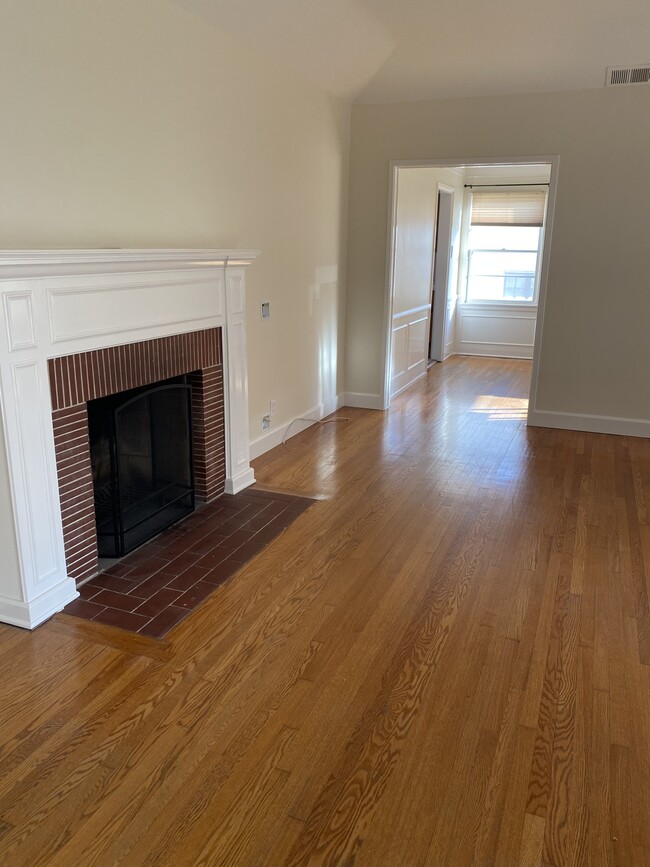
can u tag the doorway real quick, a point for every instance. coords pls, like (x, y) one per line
(434, 215)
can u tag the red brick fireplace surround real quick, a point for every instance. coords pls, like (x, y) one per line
(76, 379)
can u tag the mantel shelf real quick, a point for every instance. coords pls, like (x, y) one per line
(52, 263)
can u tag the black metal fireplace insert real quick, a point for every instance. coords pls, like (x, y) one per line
(141, 453)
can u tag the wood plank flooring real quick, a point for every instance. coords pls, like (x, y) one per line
(444, 661)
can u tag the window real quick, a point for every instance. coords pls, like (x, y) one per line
(519, 285)
(504, 244)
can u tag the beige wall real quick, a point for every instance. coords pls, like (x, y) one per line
(129, 124)
(595, 352)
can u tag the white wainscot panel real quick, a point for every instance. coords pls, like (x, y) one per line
(400, 350)
(409, 349)
(101, 307)
(495, 331)
(19, 318)
(418, 332)
(236, 295)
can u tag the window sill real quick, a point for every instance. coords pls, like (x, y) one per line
(511, 306)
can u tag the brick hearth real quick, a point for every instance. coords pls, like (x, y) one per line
(155, 587)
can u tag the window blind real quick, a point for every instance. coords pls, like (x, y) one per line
(520, 208)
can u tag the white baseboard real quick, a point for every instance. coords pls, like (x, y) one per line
(496, 350)
(409, 384)
(276, 436)
(29, 615)
(449, 351)
(633, 427)
(331, 405)
(240, 482)
(362, 401)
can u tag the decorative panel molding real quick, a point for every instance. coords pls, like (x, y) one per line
(400, 350)
(236, 294)
(409, 347)
(493, 330)
(19, 318)
(237, 434)
(33, 472)
(418, 334)
(109, 308)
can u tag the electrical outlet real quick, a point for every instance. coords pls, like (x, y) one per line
(266, 422)
(265, 309)
(272, 408)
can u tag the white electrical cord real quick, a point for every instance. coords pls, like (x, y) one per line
(313, 421)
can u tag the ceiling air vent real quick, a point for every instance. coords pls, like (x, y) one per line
(621, 76)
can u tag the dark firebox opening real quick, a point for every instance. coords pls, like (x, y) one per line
(141, 454)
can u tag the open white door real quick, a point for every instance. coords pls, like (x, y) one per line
(441, 272)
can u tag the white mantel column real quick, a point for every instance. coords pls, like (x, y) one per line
(11, 588)
(239, 473)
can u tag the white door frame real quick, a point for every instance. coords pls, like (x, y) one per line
(436, 348)
(550, 159)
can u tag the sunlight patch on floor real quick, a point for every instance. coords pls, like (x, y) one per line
(501, 408)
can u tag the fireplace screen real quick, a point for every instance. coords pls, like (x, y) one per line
(141, 451)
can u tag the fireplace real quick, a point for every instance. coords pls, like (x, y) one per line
(81, 382)
(80, 326)
(141, 461)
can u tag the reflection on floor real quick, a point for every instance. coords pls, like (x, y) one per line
(155, 587)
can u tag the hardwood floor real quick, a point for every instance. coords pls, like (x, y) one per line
(445, 661)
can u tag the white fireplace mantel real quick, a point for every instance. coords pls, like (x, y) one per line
(61, 302)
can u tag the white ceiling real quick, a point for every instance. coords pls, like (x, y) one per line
(393, 50)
